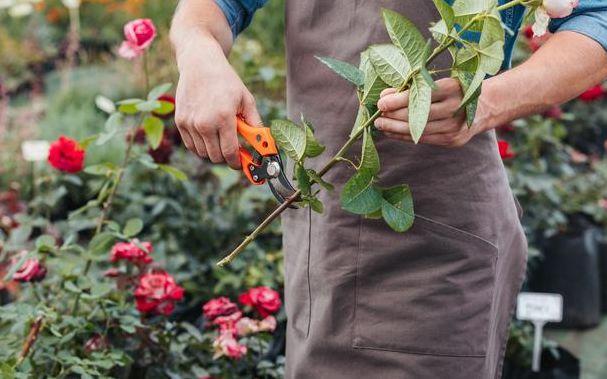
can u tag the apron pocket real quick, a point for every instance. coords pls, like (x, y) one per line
(426, 291)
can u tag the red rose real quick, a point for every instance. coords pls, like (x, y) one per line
(265, 300)
(30, 271)
(162, 154)
(132, 252)
(167, 99)
(157, 293)
(592, 94)
(66, 155)
(138, 35)
(220, 306)
(504, 149)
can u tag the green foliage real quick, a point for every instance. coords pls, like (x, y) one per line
(345, 70)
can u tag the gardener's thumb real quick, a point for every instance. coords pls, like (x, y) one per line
(249, 111)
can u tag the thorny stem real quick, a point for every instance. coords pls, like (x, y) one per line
(339, 156)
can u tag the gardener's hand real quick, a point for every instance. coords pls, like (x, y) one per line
(445, 127)
(209, 97)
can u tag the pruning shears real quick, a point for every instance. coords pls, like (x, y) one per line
(263, 165)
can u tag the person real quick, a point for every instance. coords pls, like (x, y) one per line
(362, 300)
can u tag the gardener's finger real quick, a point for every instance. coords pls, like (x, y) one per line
(228, 142)
(249, 110)
(210, 137)
(387, 91)
(393, 101)
(194, 144)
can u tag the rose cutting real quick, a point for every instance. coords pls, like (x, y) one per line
(402, 66)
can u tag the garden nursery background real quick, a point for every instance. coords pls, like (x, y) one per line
(110, 230)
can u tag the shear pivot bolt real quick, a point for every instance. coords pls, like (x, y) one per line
(255, 177)
(273, 169)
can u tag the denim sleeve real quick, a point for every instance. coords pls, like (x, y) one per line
(589, 19)
(239, 13)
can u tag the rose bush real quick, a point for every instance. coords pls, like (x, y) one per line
(103, 272)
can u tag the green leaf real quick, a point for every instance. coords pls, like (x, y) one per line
(315, 177)
(102, 169)
(446, 13)
(359, 195)
(290, 137)
(148, 106)
(390, 64)
(397, 208)
(474, 88)
(104, 138)
(405, 35)
(465, 79)
(100, 244)
(303, 180)
(159, 90)
(166, 107)
(423, 70)
(154, 130)
(345, 70)
(369, 159)
(129, 106)
(313, 147)
(420, 99)
(16, 266)
(71, 287)
(373, 85)
(113, 122)
(316, 205)
(174, 172)
(105, 104)
(85, 142)
(361, 118)
(471, 7)
(491, 44)
(45, 243)
(133, 227)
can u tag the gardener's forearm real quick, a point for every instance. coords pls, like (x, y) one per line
(565, 66)
(198, 22)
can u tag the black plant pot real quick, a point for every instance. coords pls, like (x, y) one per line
(562, 365)
(570, 267)
(603, 270)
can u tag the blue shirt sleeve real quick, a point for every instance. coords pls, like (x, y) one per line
(589, 19)
(239, 13)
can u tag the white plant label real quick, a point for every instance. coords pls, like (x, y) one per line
(547, 307)
(539, 308)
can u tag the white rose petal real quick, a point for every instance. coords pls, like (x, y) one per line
(540, 26)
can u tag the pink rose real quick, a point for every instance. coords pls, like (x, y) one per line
(220, 306)
(228, 323)
(140, 32)
(227, 345)
(246, 326)
(551, 9)
(265, 300)
(268, 324)
(559, 8)
(30, 271)
(138, 35)
(131, 251)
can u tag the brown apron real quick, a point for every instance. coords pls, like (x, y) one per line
(362, 300)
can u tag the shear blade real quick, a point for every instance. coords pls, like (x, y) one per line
(281, 188)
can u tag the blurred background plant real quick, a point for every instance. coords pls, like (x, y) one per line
(59, 70)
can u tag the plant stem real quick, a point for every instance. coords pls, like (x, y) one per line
(108, 204)
(31, 338)
(339, 156)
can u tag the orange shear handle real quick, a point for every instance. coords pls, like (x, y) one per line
(259, 138)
